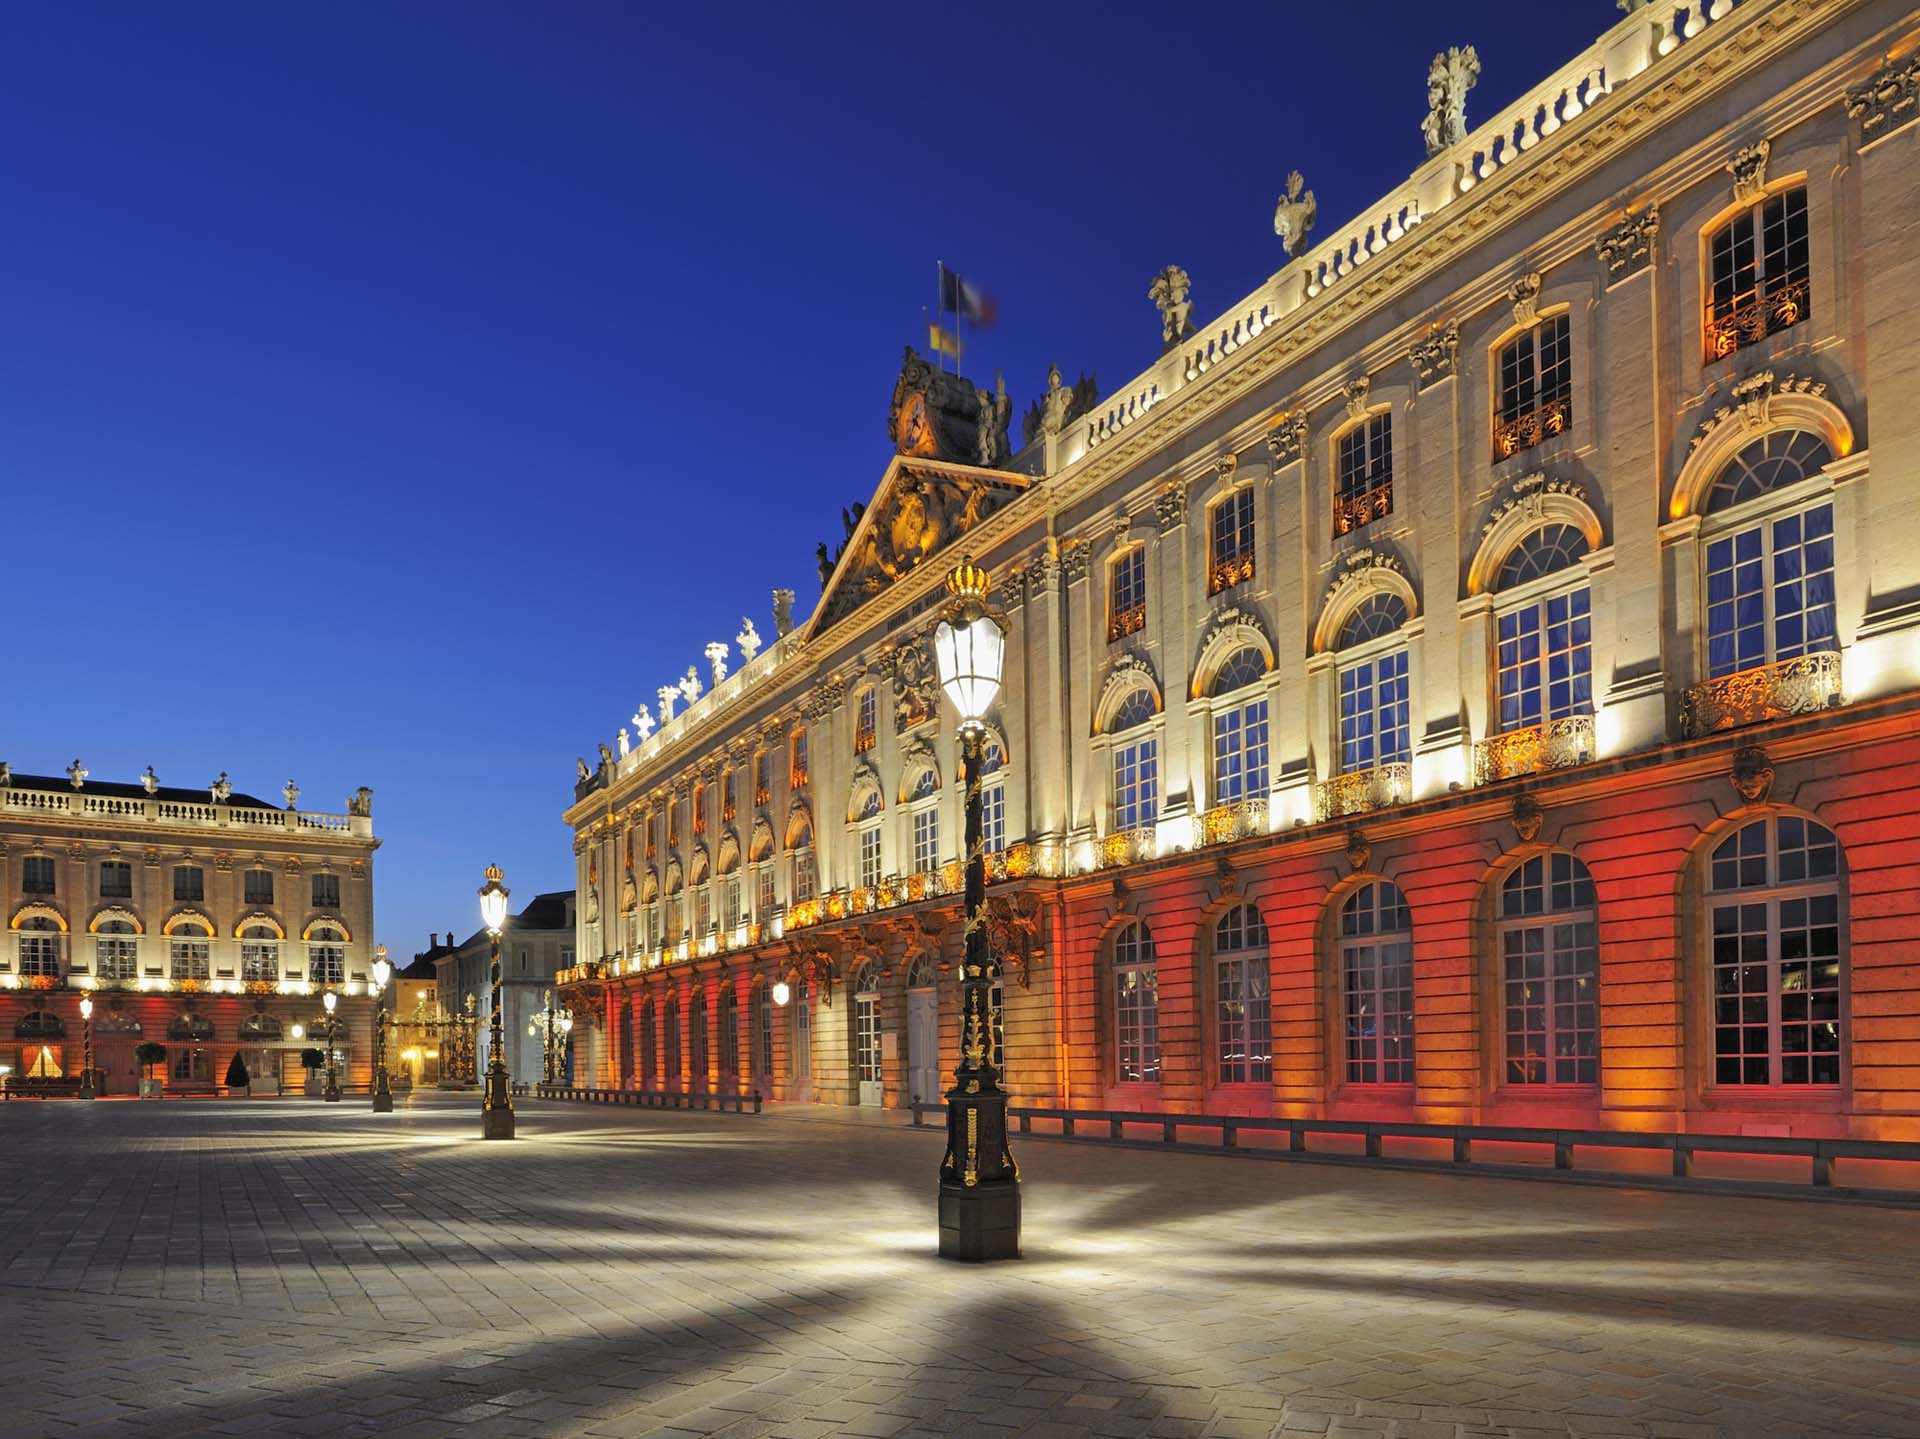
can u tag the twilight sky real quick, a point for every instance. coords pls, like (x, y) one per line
(397, 394)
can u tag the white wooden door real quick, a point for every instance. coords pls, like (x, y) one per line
(866, 1035)
(923, 1045)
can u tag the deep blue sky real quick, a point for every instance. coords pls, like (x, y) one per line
(396, 394)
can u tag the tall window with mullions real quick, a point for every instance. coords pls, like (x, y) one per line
(1545, 657)
(1770, 581)
(1136, 1010)
(1240, 730)
(1761, 281)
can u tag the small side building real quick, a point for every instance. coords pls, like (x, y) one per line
(535, 945)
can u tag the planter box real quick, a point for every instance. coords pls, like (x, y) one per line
(150, 1088)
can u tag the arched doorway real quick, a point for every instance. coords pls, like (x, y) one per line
(923, 1032)
(867, 1066)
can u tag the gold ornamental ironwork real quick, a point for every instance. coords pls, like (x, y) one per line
(1805, 684)
(1381, 787)
(1554, 745)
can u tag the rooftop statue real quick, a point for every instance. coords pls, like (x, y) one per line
(1452, 73)
(1293, 217)
(1169, 292)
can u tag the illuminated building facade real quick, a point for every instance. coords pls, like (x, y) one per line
(203, 920)
(1472, 678)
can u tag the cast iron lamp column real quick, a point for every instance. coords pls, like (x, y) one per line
(382, 1089)
(979, 1182)
(496, 1102)
(331, 1092)
(86, 1046)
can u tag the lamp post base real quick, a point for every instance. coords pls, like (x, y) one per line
(496, 1109)
(496, 1124)
(980, 1223)
(86, 1088)
(331, 1094)
(382, 1102)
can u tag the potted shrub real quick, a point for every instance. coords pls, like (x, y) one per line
(313, 1061)
(147, 1054)
(238, 1080)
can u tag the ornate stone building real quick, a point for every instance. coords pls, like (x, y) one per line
(205, 920)
(537, 943)
(1472, 677)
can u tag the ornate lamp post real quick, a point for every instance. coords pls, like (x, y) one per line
(331, 1091)
(551, 1025)
(382, 973)
(86, 1046)
(496, 1101)
(979, 1182)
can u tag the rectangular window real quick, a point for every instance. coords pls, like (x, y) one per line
(1546, 661)
(116, 879)
(1552, 1010)
(1373, 713)
(326, 891)
(867, 722)
(727, 810)
(188, 958)
(993, 817)
(189, 883)
(926, 839)
(762, 778)
(40, 951)
(1770, 592)
(730, 902)
(259, 960)
(1137, 1023)
(803, 877)
(327, 964)
(870, 857)
(702, 911)
(798, 771)
(1136, 784)
(1232, 541)
(115, 958)
(1762, 278)
(258, 886)
(1536, 388)
(1127, 594)
(699, 809)
(764, 890)
(1363, 474)
(1245, 1020)
(1240, 753)
(36, 874)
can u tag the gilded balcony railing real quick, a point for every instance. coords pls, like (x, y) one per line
(1225, 573)
(1350, 512)
(1803, 685)
(1016, 861)
(1522, 432)
(1367, 789)
(1760, 316)
(1227, 822)
(1127, 846)
(1131, 620)
(1553, 745)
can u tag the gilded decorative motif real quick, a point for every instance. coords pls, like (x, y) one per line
(1523, 432)
(1225, 574)
(1351, 512)
(1780, 307)
(1131, 620)
(1381, 787)
(1554, 745)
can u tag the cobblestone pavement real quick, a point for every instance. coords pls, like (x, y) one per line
(288, 1267)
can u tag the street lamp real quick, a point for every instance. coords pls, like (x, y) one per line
(979, 1182)
(382, 973)
(496, 1102)
(86, 1046)
(551, 1025)
(331, 1093)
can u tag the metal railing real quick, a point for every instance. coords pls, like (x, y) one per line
(1554, 745)
(1381, 787)
(654, 1098)
(1373, 1134)
(1803, 685)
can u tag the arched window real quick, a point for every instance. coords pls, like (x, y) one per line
(257, 1027)
(1545, 639)
(1775, 902)
(670, 1021)
(259, 953)
(866, 1025)
(729, 1039)
(1769, 589)
(1245, 1027)
(1136, 1005)
(800, 1055)
(626, 1054)
(649, 1073)
(1376, 978)
(1363, 474)
(697, 1038)
(1374, 727)
(1230, 539)
(1136, 763)
(924, 818)
(1760, 280)
(116, 956)
(761, 1018)
(193, 1028)
(1536, 387)
(921, 974)
(189, 945)
(326, 955)
(926, 783)
(1550, 972)
(39, 1024)
(1240, 730)
(40, 947)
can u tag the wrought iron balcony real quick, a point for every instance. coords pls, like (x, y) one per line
(1757, 317)
(1522, 432)
(1225, 573)
(1127, 846)
(1225, 823)
(1554, 745)
(1366, 789)
(1130, 620)
(1803, 685)
(1350, 512)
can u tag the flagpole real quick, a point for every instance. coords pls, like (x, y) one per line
(939, 308)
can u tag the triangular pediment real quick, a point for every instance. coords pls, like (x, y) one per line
(920, 510)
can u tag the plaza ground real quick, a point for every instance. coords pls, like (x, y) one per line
(288, 1267)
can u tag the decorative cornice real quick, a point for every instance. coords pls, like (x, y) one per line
(1530, 492)
(1074, 557)
(1357, 563)
(1627, 248)
(1888, 101)
(1435, 357)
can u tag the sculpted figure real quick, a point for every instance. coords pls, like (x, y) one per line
(1453, 72)
(1293, 217)
(1169, 293)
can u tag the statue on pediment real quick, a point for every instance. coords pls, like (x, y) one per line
(940, 416)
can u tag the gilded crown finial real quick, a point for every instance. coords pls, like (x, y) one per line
(968, 581)
(494, 874)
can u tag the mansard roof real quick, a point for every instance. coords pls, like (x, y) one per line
(172, 794)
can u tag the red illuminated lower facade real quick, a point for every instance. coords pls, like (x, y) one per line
(1719, 937)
